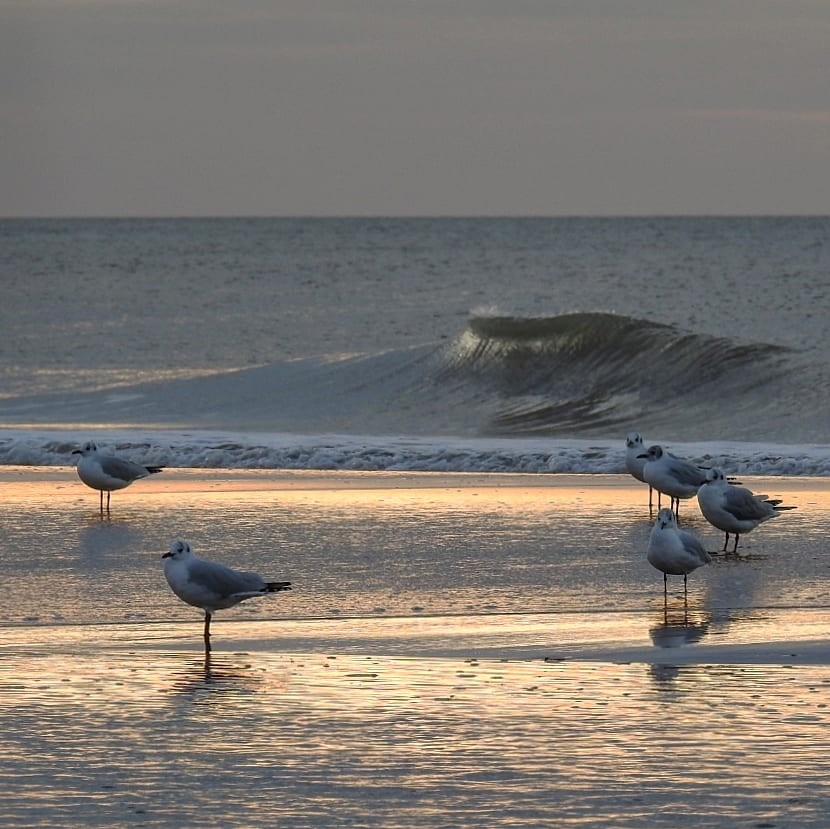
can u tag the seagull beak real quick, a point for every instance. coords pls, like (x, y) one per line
(77, 452)
(643, 456)
(167, 555)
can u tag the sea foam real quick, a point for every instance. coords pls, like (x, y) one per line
(228, 450)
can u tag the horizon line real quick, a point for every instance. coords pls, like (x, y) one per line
(400, 216)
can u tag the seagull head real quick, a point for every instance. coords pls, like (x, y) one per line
(654, 453)
(666, 519)
(633, 439)
(178, 549)
(714, 474)
(87, 449)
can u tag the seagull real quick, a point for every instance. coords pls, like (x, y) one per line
(671, 475)
(211, 586)
(734, 509)
(673, 551)
(634, 461)
(107, 472)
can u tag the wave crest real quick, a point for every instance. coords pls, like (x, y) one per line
(591, 372)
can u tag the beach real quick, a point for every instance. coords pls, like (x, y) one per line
(457, 650)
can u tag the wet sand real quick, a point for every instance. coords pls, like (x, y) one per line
(459, 650)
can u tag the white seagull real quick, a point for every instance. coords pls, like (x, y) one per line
(211, 586)
(734, 509)
(671, 475)
(635, 461)
(107, 472)
(673, 551)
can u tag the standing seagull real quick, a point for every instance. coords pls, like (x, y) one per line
(672, 476)
(635, 461)
(211, 586)
(734, 509)
(673, 551)
(106, 472)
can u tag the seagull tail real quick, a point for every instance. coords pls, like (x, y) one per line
(779, 508)
(276, 586)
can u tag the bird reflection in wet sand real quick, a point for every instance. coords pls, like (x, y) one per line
(676, 630)
(216, 680)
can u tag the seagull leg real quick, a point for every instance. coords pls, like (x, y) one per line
(685, 589)
(108, 500)
(725, 543)
(735, 548)
(101, 501)
(650, 490)
(207, 632)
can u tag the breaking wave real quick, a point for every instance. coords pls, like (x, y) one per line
(581, 375)
(591, 373)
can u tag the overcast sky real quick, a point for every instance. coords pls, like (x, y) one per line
(414, 107)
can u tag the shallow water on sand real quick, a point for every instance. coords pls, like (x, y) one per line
(387, 544)
(159, 738)
(457, 651)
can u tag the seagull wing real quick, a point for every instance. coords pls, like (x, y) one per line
(743, 505)
(122, 469)
(687, 473)
(223, 581)
(693, 546)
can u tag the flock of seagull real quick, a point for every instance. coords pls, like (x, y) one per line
(733, 509)
(208, 585)
(727, 506)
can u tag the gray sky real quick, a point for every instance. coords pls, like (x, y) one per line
(414, 107)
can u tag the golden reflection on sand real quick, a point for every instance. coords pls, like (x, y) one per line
(22, 482)
(559, 719)
(533, 492)
(106, 738)
(716, 615)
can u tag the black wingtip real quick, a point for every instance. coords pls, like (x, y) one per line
(276, 586)
(154, 469)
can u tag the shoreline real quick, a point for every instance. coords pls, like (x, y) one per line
(196, 478)
(642, 638)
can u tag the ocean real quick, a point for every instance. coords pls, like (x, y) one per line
(524, 344)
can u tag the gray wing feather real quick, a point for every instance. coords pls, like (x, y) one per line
(119, 468)
(223, 581)
(744, 505)
(688, 474)
(692, 544)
